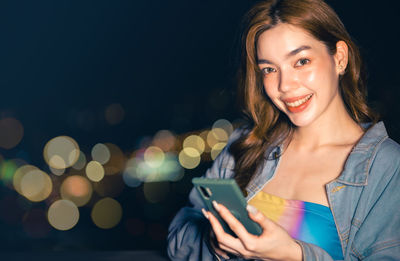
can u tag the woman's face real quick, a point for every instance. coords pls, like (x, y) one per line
(300, 76)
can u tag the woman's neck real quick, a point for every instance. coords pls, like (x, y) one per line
(323, 132)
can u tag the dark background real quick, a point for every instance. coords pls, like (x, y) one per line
(169, 64)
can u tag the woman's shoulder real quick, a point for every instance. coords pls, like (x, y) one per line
(377, 141)
(388, 154)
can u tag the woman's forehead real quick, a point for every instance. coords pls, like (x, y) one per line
(284, 39)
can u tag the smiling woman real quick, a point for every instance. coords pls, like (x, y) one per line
(316, 166)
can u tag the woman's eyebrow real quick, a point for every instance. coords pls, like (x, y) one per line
(297, 50)
(291, 53)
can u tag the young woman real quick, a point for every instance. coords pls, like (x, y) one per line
(319, 172)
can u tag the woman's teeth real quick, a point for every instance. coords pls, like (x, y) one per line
(298, 102)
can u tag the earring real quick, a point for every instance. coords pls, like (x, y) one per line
(341, 69)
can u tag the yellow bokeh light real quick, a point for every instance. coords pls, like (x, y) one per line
(195, 142)
(117, 160)
(57, 172)
(11, 133)
(215, 136)
(106, 213)
(154, 157)
(76, 189)
(81, 162)
(94, 171)
(216, 149)
(223, 124)
(61, 152)
(36, 185)
(19, 174)
(155, 191)
(165, 140)
(189, 158)
(204, 135)
(109, 186)
(63, 214)
(101, 153)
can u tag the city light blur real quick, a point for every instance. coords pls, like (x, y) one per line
(74, 181)
(106, 213)
(63, 214)
(11, 133)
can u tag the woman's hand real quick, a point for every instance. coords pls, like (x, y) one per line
(214, 243)
(273, 244)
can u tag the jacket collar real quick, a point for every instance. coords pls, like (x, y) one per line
(359, 161)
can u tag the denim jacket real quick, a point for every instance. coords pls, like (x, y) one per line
(364, 200)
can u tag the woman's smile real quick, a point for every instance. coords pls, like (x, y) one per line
(298, 104)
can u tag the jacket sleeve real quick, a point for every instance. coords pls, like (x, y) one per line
(189, 231)
(378, 229)
(312, 252)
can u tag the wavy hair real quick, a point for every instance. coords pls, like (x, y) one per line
(267, 124)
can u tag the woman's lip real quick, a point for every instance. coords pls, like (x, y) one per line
(301, 107)
(293, 99)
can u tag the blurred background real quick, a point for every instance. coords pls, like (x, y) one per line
(109, 109)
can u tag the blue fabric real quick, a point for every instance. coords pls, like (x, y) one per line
(306, 221)
(364, 201)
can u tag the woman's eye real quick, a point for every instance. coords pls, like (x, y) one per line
(302, 62)
(268, 70)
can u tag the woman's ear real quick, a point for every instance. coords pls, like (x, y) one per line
(341, 57)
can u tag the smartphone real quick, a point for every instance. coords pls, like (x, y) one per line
(227, 193)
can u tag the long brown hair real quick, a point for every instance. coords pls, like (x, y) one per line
(267, 124)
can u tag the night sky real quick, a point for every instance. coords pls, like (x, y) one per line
(160, 65)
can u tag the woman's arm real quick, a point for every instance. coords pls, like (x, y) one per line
(188, 234)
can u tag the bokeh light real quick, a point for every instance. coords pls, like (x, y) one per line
(203, 135)
(189, 158)
(156, 191)
(114, 114)
(137, 170)
(7, 171)
(223, 124)
(76, 189)
(81, 162)
(11, 133)
(165, 140)
(216, 135)
(35, 185)
(19, 174)
(94, 171)
(63, 214)
(195, 142)
(109, 186)
(106, 213)
(154, 157)
(216, 149)
(101, 153)
(57, 172)
(61, 152)
(117, 160)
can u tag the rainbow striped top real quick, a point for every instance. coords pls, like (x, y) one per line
(306, 221)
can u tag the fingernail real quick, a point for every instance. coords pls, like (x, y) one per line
(225, 256)
(215, 204)
(204, 213)
(252, 209)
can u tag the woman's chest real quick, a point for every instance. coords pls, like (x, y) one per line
(304, 176)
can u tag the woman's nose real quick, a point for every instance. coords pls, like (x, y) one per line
(288, 81)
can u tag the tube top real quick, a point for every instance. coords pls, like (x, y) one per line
(306, 221)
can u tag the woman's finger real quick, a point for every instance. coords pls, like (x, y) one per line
(235, 225)
(257, 216)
